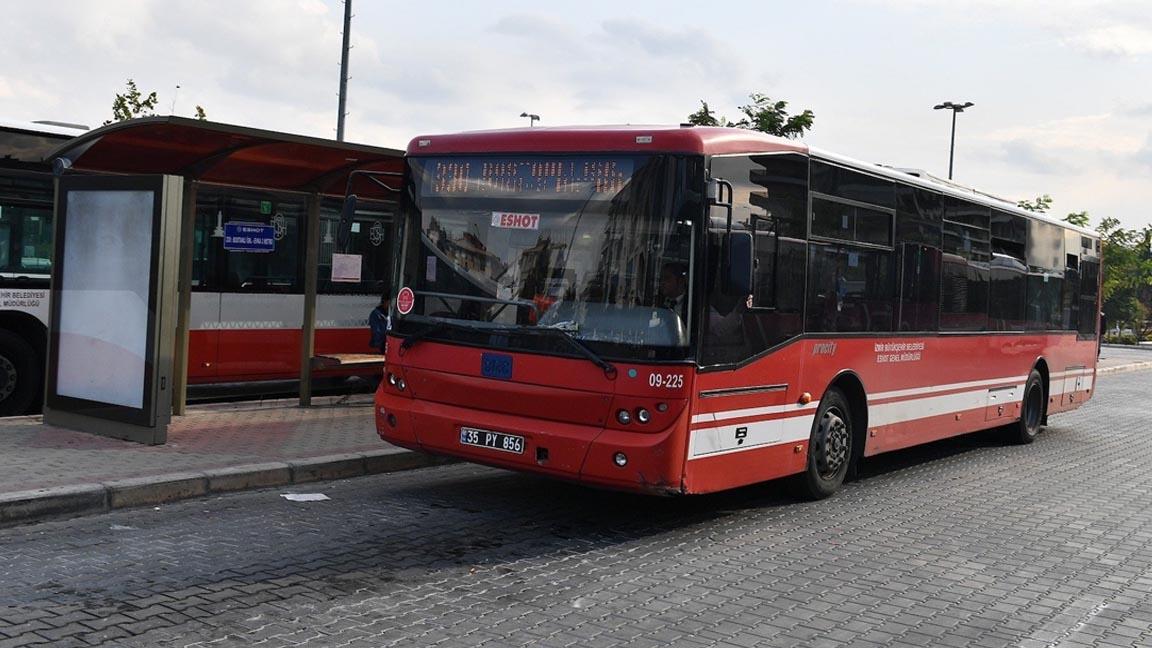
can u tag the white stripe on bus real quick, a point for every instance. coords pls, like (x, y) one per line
(723, 439)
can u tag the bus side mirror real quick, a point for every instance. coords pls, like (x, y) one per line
(738, 275)
(344, 228)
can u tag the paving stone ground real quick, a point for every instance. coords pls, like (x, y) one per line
(966, 542)
(34, 455)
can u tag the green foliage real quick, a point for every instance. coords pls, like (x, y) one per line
(705, 116)
(1127, 290)
(772, 117)
(132, 104)
(762, 115)
(1080, 219)
(1040, 205)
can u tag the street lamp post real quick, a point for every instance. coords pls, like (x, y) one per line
(532, 119)
(955, 108)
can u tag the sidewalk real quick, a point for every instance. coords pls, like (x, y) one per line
(51, 472)
(48, 471)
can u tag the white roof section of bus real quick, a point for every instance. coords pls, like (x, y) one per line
(49, 129)
(946, 187)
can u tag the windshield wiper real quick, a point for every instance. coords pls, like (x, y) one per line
(608, 368)
(519, 303)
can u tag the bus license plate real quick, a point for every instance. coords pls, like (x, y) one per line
(494, 440)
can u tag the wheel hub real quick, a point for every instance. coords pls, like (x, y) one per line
(832, 443)
(8, 377)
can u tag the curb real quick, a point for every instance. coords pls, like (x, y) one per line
(1128, 347)
(1135, 366)
(22, 507)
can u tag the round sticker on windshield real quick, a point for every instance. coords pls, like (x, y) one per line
(405, 300)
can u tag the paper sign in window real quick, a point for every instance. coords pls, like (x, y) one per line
(346, 267)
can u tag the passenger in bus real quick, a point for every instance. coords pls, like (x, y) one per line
(723, 319)
(380, 321)
(673, 287)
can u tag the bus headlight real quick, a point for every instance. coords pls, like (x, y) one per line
(620, 459)
(624, 417)
(643, 416)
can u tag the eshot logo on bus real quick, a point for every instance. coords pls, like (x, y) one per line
(512, 220)
(405, 300)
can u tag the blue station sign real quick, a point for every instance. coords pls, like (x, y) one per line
(249, 237)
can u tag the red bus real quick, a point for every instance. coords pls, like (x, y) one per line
(687, 310)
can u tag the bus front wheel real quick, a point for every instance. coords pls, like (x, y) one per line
(19, 374)
(829, 448)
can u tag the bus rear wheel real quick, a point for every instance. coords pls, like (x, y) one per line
(19, 374)
(1031, 411)
(829, 448)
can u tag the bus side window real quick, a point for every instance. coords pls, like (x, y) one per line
(919, 221)
(1046, 261)
(1009, 272)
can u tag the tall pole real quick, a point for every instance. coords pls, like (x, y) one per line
(952, 146)
(344, 70)
(955, 108)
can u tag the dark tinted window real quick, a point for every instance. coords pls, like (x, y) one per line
(1011, 229)
(840, 182)
(964, 278)
(966, 213)
(920, 288)
(217, 269)
(769, 199)
(1070, 300)
(372, 238)
(919, 215)
(1006, 294)
(1089, 289)
(845, 222)
(1009, 272)
(22, 146)
(850, 288)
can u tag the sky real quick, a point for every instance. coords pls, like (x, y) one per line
(1062, 90)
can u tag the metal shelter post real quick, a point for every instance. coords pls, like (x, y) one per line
(184, 286)
(311, 270)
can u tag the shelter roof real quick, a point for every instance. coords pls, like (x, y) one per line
(233, 155)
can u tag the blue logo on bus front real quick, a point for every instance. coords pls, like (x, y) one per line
(496, 365)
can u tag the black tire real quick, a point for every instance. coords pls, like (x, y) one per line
(829, 448)
(1031, 411)
(20, 374)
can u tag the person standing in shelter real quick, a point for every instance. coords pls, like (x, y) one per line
(380, 321)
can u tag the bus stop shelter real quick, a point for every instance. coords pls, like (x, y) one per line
(202, 152)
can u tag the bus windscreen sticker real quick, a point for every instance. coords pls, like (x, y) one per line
(512, 220)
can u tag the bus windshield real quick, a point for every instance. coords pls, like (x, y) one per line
(586, 244)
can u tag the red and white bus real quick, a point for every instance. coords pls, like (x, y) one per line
(687, 310)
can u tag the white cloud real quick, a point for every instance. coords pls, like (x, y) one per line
(1114, 40)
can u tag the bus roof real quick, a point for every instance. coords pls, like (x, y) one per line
(948, 187)
(700, 140)
(64, 130)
